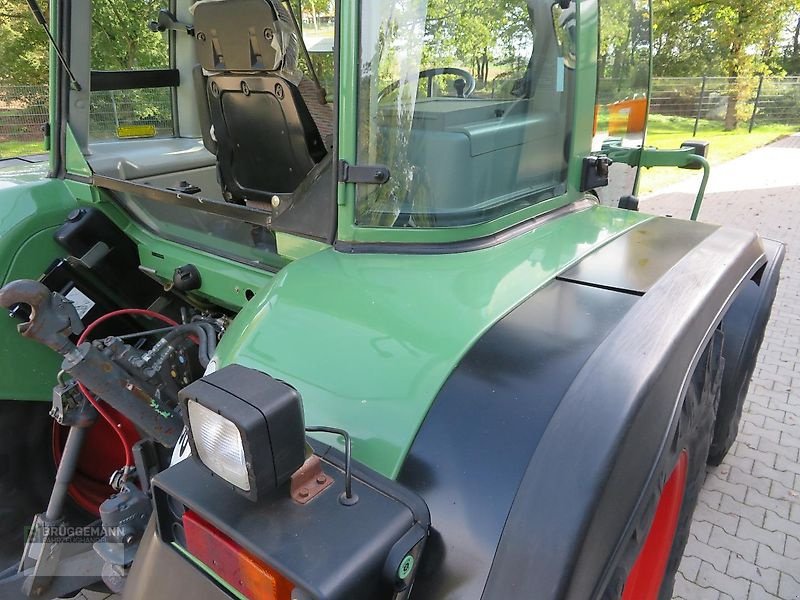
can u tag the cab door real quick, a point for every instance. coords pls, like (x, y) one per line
(623, 88)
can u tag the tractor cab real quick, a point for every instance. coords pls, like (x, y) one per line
(381, 122)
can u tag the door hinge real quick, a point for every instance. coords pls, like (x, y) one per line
(373, 174)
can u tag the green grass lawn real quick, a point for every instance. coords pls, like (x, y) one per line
(12, 148)
(669, 132)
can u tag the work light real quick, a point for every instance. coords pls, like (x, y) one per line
(219, 444)
(246, 428)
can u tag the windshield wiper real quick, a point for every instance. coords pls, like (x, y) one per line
(37, 13)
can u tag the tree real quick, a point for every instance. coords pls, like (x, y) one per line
(120, 39)
(791, 56)
(475, 33)
(739, 39)
(23, 44)
(747, 33)
(317, 7)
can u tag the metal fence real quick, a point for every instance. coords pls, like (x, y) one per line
(23, 112)
(706, 100)
(702, 101)
(114, 114)
(123, 113)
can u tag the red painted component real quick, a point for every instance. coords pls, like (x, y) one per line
(245, 573)
(101, 455)
(645, 579)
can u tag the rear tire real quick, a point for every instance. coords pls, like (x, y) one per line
(744, 325)
(692, 435)
(727, 426)
(702, 399)
(735, 386)
(26, 472)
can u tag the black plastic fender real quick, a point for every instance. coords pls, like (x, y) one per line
(491, 418)
(744, 326)
(591, 472)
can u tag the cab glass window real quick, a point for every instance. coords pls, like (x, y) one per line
(623, 65)
(469, 105)
(317, 26)
(122, 44)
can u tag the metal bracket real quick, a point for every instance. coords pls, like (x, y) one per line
(372, 174)
(691, 155)
(56, 560)
(309, 480)
(594, 172)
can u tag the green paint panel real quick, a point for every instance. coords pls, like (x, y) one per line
(369, 339)
(293, 247)
(29, 215)
(225, 282)
(26, 209)
(27, 368)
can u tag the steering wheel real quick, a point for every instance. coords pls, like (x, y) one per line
(469, 81)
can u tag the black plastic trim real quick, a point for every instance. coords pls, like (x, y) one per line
(634, 262)
(464, 245)
(744, 326)
(363, 533)
(475, 444)
(104, 81)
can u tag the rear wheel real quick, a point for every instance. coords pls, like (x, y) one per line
(741, 355)
(655, 548)
(744, 326)
(26, 472)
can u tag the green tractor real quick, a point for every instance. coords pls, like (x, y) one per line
(355, 302)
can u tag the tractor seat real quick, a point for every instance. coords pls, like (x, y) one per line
(259, 125)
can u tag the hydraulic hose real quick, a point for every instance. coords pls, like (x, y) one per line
(101, 409)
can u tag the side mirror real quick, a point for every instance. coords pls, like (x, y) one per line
(700, 149)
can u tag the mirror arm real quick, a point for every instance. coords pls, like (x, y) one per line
(684, 158)
(620, 154)
(702, 191)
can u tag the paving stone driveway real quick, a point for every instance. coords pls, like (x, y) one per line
(745, 539)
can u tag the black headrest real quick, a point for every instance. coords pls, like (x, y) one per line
(244, 35)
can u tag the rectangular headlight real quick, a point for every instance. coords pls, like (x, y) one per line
(246, 428)
(219, 445)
